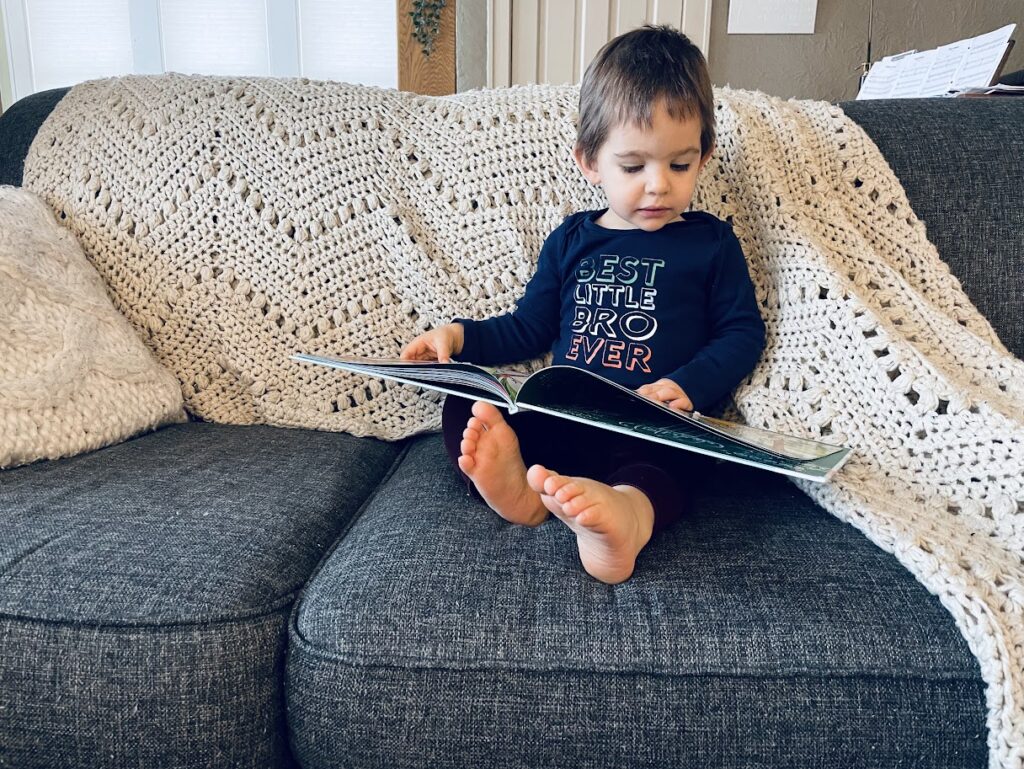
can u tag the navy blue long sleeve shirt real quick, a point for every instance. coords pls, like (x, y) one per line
(635, 307)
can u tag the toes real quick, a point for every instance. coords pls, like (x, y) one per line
(556, 483)
(567, 492)
(475, 424)
(468, 446)
(487, 414)
(471, 434)
(577, 507)
(466, 464)
(536, 476)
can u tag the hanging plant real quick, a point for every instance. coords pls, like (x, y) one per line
(426, 22)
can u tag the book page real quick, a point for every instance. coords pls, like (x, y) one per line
(465, 379)
(790, 446)
(572, 391)
(605, 405)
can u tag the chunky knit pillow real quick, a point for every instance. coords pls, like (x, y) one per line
(73, 374)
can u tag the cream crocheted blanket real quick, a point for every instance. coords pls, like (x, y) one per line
(237, 221)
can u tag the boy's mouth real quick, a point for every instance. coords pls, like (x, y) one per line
(652, 211)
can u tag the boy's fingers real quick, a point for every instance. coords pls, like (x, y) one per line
(416, 351)
(662, 393)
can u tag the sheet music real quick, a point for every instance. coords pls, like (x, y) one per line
(979, 68)
(879, 81)
(882, 78)
(913, 75)
(971, 63)
(942, 72)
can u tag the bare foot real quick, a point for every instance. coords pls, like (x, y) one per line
(612, 523)
(491, 458)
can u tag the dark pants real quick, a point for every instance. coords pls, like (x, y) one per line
(666, 475)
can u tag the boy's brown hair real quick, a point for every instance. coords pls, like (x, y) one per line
(631, 73)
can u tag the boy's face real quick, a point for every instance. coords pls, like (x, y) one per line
(648, 174)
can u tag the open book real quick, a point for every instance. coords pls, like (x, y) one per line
(582, 396)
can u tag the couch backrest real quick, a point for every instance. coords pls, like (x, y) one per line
(961, 162)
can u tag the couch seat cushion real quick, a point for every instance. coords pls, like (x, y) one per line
(760, 632)
(145, 589)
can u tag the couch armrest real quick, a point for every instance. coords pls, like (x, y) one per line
(18, 126)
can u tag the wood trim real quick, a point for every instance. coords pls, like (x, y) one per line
(432, 75)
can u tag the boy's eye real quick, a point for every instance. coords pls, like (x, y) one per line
(678, 167)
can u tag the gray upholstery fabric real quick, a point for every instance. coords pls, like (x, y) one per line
(145, 589)
(18, 126)
(961, 162)
(761, 632)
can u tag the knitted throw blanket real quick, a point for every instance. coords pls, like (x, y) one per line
(237, 221)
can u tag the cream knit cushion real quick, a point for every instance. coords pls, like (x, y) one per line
(237, 221)
(73, 374)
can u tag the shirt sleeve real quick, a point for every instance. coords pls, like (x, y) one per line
(736, 334)
(529, 330)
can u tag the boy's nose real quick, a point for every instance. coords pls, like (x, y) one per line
(657, 183)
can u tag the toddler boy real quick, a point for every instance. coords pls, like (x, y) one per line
(646, 293)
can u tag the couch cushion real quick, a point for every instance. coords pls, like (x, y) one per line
(145, 588)
(761, 632)
(951, 154)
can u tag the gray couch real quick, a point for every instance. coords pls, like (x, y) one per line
(220, 596)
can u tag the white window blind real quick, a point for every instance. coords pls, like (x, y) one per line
(55, 43)
(351, 40)
(47, 43)
(227, 37)
(77, 42)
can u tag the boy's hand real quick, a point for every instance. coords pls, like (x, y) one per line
(667, 392)
(437, 344)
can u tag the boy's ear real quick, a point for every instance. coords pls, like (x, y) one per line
(706, 157)
(587, 167)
